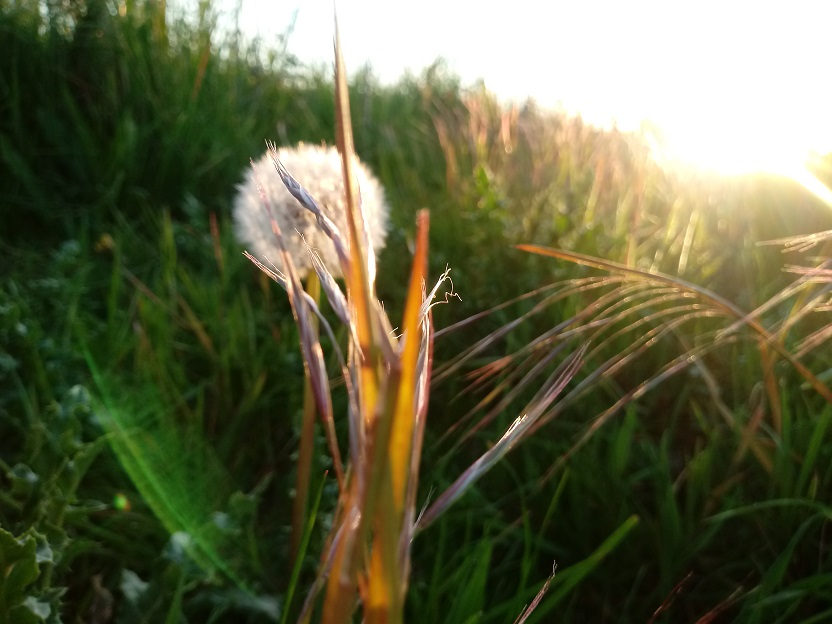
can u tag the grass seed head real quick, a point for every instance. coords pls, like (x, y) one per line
(319, 169)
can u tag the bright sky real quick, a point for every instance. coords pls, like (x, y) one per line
(733, 85)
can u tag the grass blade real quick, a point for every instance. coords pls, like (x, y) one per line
(304, 543)
(386, 588)
(517, 430)
(572, 576)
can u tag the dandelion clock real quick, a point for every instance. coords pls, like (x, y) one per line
(318, 169)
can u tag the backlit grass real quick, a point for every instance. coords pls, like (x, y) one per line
(122, 137)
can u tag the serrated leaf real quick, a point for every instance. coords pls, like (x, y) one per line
(18, 570)
(38, 608)
(23, 480)
(43, 552)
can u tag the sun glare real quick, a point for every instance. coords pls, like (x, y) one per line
(730, 147)
(728, 151)
(810, 182)
(733, 87)
(734, 146)
(746, 100)
(759, 122)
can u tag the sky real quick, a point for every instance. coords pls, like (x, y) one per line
(733, 84)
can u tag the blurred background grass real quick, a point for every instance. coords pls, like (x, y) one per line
(123, 131)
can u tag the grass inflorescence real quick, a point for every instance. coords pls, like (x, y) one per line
(151, 384)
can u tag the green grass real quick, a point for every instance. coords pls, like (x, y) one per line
(117, 174)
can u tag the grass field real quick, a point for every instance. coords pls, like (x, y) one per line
(152, 386)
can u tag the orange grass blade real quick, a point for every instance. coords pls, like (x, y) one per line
(386, 589)
(342, 585)
(423, 392)
(359, 288)
(412, 324)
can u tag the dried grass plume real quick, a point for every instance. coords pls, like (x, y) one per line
(318, 169)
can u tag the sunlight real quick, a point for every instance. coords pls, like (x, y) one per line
(733, 146)
(729, 146)
(733, 88)
(747, 108)
(731, 152)
(810, 182)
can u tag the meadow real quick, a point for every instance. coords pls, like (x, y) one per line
(152, 384)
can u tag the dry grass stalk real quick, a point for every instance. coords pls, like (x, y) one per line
(387, 380)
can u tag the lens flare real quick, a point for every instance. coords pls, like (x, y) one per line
(121, 502)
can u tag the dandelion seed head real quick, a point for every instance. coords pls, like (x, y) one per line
(318, 170)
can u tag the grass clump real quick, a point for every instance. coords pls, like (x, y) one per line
(388, 380)
(681, 474)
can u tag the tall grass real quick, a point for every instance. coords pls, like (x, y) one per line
(117, 173)
(388, 381)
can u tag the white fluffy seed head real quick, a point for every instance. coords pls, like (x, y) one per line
(318, 170)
